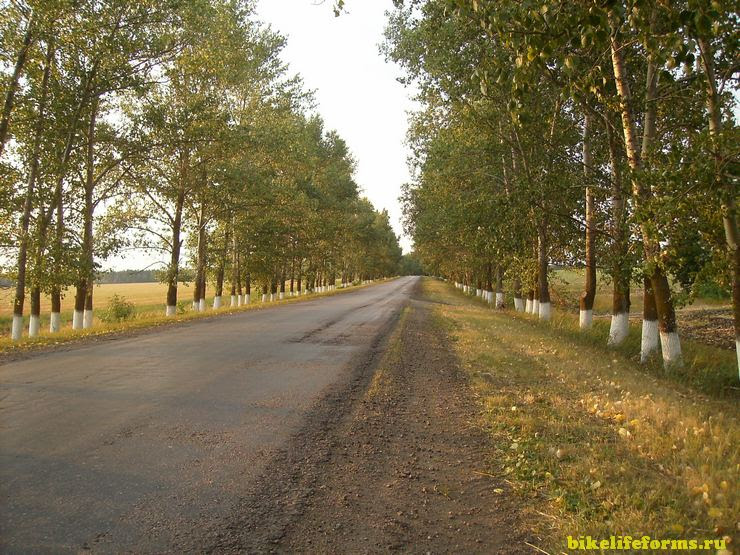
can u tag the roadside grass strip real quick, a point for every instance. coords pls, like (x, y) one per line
(594, 443)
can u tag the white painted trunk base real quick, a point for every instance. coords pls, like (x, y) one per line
(544, 311)
(247, 298)
(281, 296)
(55, 322)
(619, 329)
(16, 331)
(264, 297)
(586, 319)
(87, 319)
(535, 306)
(34, 324)
(216, 302)
(77, 320)
(499, 300)
(650, 339)
(170, 310)
(528, 306)
(670, 345)
(518, 304)
(233, 300)
(202, 305)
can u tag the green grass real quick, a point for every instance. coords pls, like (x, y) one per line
(596, 443)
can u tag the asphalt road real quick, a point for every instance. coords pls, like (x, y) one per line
(134, 443)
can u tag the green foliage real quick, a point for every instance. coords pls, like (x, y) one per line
(118, 310)
(410, 265)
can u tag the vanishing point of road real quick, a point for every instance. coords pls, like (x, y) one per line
(137, 443)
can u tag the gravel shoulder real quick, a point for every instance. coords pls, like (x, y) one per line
(393, 459)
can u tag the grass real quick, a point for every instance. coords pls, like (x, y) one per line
(148, 299)
(597, 444)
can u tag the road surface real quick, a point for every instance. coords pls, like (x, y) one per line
(141, 443)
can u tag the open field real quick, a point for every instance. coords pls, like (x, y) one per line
(708, 320)
(596, 443)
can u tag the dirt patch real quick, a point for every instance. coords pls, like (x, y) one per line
(395, 460)
(713, 326)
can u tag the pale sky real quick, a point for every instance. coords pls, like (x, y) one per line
(356, 90)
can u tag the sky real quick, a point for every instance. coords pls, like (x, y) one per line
(357, 91)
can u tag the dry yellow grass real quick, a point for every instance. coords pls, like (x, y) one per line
(141, 294)
(598, 446)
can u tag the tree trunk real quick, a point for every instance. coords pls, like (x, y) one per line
(88, 316)
(726, 187)
(671, 345)
(650, 338)
(20, 286)
(500, 288)
(621, 272)
(518, 301)
(174, 270)
(589, 293)
(12, 89)
(56, 291)
(36, 309)
(542, 263)
(86, 268)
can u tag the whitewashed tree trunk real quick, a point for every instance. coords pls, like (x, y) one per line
(55, 322)
(499, 300)
(544, 311)
(518, 304)
(670, 346)
(536, 306)
(619, 329)
(202, 305)
(246, 299)
(264, 297)
(17, 329)
(77, 318)
(87, 319)
(650, 339)
(171, 310)
(528, 306)
(281, 295)
(216, 302)
(234, 301)
(585, 319)
(33, 326)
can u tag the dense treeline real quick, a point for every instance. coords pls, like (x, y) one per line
(170, 125)
(575, 132)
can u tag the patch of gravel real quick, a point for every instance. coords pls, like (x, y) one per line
(391, 460)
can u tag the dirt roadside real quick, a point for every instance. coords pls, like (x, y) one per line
(396, 460)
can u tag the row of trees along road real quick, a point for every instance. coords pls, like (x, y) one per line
(173, 125)
(576, 132)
